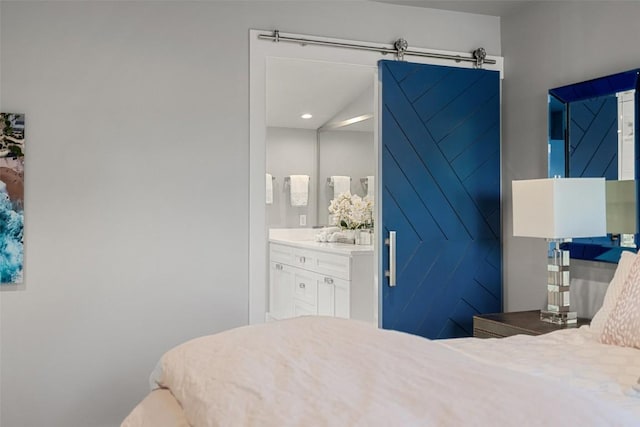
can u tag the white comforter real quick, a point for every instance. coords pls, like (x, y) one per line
(572, 356)
(316, 371)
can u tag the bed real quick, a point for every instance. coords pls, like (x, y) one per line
(320, 371)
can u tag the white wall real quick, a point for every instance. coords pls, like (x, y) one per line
(291, 152)
(344, 152)
(137, 182)
(546, 45)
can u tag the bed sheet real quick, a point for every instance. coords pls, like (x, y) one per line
(158, 409)
(568, 356)
(323, 371)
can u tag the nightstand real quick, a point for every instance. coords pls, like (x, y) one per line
(500, 325)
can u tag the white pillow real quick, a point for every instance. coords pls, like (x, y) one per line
(623, 326)
(613, 291)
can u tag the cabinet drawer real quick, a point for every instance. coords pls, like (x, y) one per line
(488, 328)
(304, 259)
(479, 333)
(333, 265)
(280, 253)
(306, 287)
(327, 264)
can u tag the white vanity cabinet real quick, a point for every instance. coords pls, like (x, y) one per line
(321, 279)
(281, 290)
(333, 297)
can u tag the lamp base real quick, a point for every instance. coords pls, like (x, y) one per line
(558, 309)
(567, 318)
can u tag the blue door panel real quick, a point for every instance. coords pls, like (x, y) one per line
(480, 185)
(452, 271)
(446, 92)
(446, 224)
(485, 277)
(446, 295)
(457, 112)
(452, 330)
(480, 301)
(415, 80)
(420, 82)
(441, 194)
(408, 318)
(420, 220)
(422, 293)
(476, 154)
(456, 142)
(433, 159)
(397, 220)
(460, 318)
(401, 74)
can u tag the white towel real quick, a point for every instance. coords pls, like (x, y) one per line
(341, 184)
(371, 187)
(299, 189)
(269, 188)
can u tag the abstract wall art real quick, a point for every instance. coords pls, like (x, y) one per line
(12, 142)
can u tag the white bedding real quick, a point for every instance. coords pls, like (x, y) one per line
(570, 356)
(327, 371)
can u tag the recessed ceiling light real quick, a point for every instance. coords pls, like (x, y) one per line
(306, 116)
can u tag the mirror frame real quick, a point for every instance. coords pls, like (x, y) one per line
(596, 249)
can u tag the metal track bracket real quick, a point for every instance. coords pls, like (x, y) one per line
(401, 46)
(400, 49)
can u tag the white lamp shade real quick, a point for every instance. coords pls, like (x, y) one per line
(559, 208)
(621, 207)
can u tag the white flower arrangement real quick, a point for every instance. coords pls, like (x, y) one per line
(352, 212)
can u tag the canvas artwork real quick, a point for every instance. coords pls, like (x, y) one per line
(11, 197)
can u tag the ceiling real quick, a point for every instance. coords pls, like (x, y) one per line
(323, 89)
(483, 7)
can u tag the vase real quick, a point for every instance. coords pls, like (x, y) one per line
(349, 236)
(364, 236)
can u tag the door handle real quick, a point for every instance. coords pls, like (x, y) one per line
(391, 272)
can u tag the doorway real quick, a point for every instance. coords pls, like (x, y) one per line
(260, 52)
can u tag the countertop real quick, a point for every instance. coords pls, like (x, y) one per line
(341, 248)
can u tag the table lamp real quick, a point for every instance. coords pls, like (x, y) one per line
(558, 209)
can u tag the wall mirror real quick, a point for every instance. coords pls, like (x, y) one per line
(320, 124)
(593, 132)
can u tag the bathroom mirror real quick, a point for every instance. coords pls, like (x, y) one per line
(593, 133)
(319, 124)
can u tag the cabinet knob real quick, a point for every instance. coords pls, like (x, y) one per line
(302, 260)
(328, 280)
(302, 285)
(278, 266)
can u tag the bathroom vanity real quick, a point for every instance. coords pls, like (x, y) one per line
(314, 278)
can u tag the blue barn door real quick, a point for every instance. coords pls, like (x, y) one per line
(440, 149)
